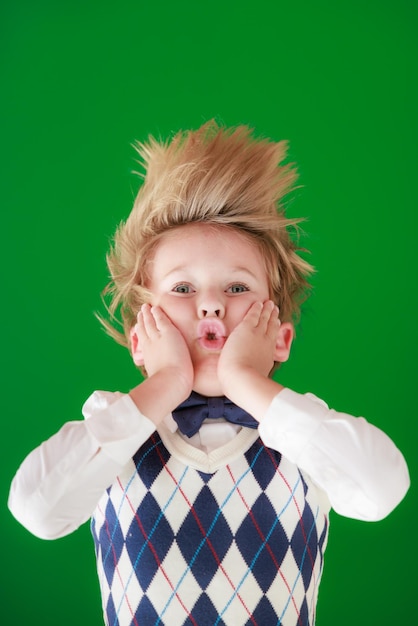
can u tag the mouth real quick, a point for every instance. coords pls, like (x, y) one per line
(211, 334)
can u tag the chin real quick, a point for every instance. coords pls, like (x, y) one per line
(206, 381)
(209, 386)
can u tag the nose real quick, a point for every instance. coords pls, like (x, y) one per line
(211, 305)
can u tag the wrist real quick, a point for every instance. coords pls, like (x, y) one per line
(251, 390)
(162, 392)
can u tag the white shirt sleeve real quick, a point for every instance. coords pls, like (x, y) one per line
(361, 470)
(59, 484)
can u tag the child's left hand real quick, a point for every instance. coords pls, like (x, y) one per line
(248, 356)
(251, 346)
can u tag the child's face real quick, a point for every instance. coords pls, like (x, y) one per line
(205, 279)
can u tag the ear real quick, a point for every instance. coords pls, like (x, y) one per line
(136, 351)
(284, 342)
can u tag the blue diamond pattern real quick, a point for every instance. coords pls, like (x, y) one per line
(112, 618)
(191, 540)
(150, 459)
(304, 544)
(263, 467)
(205, 477)
(264, 614)
(111, 540)
(147, 546)
(204, 613)
(146, 615)
(205, 538)
(304, 614)
(256, 554)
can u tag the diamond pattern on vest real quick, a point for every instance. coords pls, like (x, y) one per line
(241, 546)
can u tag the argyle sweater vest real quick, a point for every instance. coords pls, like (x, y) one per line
(240, 545)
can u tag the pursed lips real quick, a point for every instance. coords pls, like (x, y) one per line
(211, 334)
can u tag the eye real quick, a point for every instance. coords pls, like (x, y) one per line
(237, 288)
(182, 288)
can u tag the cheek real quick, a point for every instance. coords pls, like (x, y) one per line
(238, 308)
(177, 309)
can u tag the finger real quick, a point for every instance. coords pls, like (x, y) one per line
(149, 322)
(266, 314)
(274, 322)
(139, 326)
(161, 320)
(252, 316)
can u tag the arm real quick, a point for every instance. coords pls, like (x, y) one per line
(359, 467)
(60, 483)
(361, 470)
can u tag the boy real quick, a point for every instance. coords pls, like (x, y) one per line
(209, 484)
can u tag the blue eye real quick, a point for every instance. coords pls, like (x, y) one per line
(182, 288)
(238, 288)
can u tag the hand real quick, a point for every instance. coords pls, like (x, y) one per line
(164, 349)
(250, 348)
(253, 341)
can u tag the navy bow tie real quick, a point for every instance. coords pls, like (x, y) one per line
(192, 412)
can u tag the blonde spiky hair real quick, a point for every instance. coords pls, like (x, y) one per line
(216, 175)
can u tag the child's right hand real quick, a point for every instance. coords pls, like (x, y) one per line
(164, 350)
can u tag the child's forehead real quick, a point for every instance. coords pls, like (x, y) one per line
(186, 244)
(205, 231)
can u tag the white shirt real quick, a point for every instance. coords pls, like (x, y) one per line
(59, 484)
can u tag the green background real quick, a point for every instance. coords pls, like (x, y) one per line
(80, 82)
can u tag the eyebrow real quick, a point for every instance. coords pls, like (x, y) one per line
(244, 270)
(234, 270)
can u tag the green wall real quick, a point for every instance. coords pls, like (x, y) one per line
(80, 82)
